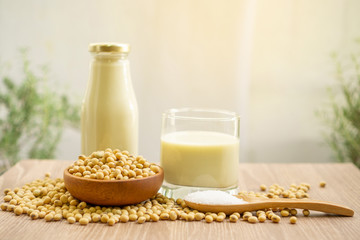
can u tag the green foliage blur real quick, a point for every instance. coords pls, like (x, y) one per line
(342, 116)
(32, 117)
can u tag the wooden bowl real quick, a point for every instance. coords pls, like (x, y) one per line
(113, 192)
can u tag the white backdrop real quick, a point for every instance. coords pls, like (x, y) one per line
(268, 60)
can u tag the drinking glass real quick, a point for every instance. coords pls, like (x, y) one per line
(199, 151)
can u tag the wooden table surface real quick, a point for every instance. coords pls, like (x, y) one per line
(343, 186)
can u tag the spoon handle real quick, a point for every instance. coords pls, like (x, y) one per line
(315, 205)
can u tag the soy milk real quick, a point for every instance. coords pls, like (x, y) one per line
(200, 158)
(109, 116)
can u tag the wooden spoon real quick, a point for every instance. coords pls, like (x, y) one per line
(256, 203)
(113, 192)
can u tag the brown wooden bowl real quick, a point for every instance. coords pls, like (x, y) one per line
(113, 192)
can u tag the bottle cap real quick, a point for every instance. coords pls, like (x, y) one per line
(109, 47)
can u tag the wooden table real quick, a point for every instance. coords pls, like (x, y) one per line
(343, 186)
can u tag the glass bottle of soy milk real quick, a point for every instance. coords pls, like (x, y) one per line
(109, 115)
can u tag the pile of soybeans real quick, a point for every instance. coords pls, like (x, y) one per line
(112, 165)
(49, 199)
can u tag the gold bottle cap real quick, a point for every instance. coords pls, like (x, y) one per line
(109, 47)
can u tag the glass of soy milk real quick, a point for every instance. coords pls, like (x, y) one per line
(199, 151)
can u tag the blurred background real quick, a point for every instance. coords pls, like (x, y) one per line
(270, 61)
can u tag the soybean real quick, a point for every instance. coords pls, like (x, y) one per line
(220, 218)
(18, 210)
(141, 220)
(293, 212)
(253, 219)
(247, 215)
(262, 218)
(71, 220)
(124, 218)
(111, 221)
(173, 215)
(233, 218)
(49, 217)
(84, 221)
(154, 217)
(209, 219)
(293, 220)
(199, 216)
(275, 218)
(306, 212)
(284, 213)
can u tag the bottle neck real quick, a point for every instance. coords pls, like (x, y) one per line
(110, 56)
(111, 70)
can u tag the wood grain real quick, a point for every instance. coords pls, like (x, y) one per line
(342, 187)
